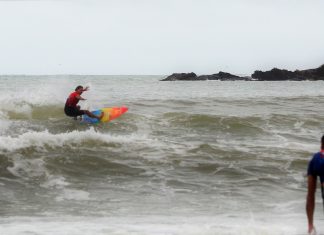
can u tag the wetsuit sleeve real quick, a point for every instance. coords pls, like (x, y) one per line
(311, 167)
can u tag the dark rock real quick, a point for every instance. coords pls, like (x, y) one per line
(283, 75)
(208, 77)
(193, 77)
(272, 75)
(181, 77)
(320, 71)
(229, 77)
(222, 76)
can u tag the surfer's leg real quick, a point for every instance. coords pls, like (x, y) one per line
(101, 115)
(71, 112)
(92, 115)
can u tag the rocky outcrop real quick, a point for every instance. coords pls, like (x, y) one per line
(222, 76)
(181, 77)
(272, 75)
(283, 75)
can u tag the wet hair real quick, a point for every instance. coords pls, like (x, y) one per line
(322, 140)
(78, 87)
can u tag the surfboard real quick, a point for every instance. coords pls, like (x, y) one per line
(109, 114)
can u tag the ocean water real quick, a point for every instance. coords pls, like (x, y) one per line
(187, 158)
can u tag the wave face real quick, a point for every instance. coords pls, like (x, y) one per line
(188, 157)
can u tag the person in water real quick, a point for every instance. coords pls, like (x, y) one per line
(72, 109)
(315, 168)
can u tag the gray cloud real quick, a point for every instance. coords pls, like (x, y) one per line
(159, 36)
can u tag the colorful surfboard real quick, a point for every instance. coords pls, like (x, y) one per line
(109, 114)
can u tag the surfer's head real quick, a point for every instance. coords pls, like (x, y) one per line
(79, 89)
(322, 142)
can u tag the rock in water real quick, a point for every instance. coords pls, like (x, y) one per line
(181, 77)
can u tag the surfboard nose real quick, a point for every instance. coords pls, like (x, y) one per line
(123, 109)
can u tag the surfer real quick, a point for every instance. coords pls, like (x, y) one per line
(72, 109)
(315, 168)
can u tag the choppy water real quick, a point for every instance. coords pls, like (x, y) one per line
(187, 158)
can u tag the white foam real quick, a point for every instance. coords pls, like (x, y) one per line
(73, 194)
(4, 125)
(45, 139)
(29, 168)
(34, 92)
(158, 225)
(58, 182)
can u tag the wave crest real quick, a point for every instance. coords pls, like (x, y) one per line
(45, 140)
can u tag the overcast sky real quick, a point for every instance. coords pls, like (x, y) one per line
(159, 36)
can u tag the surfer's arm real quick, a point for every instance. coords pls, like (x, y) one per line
(310, 201)
(79, 97)
(86, 88)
